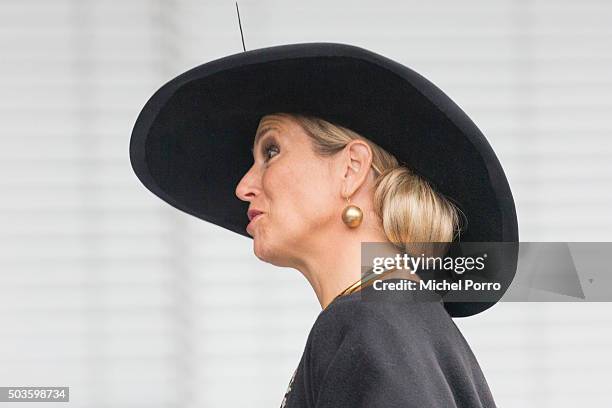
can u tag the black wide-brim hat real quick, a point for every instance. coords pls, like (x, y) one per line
(191, 143)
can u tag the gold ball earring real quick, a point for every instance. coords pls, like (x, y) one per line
(352, 215)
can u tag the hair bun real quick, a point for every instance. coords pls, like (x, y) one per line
(411, 210)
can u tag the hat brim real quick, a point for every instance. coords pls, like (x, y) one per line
(191, 143)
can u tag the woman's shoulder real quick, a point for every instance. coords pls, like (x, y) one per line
(408, 353)
(410, 345)
(367, 306)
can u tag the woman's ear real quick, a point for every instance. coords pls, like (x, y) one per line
(357, 163)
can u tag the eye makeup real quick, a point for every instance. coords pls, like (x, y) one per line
(269, 144)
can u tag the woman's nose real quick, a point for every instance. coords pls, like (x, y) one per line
(247, 187)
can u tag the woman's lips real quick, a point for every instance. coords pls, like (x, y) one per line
(252, 213)
(255, 218)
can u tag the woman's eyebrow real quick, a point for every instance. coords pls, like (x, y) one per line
(258, 136)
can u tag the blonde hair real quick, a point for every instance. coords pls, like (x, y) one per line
(411, 211)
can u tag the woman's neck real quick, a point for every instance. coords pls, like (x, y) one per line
(335, 264)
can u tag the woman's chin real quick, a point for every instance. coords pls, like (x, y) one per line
(259, 249)
(266, 253)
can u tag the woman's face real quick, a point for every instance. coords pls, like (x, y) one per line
(295, 190)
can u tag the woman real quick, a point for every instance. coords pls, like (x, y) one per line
(349, 148)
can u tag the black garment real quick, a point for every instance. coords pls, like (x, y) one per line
(373, 353)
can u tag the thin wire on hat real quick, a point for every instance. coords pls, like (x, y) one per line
(240, 26)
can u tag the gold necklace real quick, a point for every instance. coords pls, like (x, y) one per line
(361, 282)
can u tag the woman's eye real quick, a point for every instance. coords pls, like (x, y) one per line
(270, 148)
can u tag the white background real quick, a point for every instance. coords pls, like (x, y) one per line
(108, 290)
